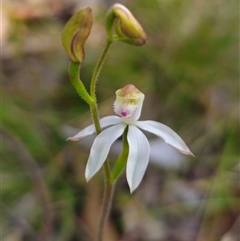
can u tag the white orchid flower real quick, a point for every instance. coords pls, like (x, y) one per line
(128, 106)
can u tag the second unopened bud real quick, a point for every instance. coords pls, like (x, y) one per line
(128, 28)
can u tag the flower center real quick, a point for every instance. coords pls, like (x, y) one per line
(128, 104)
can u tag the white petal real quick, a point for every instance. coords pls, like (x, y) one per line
(166, 133)
(100, 148)
(104, 122)
(138, 157)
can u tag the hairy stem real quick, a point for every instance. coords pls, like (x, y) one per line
(98, 69)
(108, 191)
(106, 203)
(73, 70)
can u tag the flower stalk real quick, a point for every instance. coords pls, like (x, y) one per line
(106, 202)
(91, 99)
(73, 70)
(97, 69)
(108, 190)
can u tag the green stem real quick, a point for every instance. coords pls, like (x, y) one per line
(107, 201)
(98, 69)
(73, 70)
(95, 117)
(108, 191)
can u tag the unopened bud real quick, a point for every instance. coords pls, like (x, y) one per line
(76, 32)
(127, 28)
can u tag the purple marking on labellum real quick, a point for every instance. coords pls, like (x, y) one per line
(124, 113)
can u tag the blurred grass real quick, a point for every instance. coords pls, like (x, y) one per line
(189, 71)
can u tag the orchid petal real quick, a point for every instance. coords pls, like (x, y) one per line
(138, 157)
(100, 148)
(166, 133)
(104, 122)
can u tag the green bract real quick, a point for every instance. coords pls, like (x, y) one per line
(76, 32)
(127, 28)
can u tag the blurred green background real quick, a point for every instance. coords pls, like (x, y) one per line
(189, 72)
